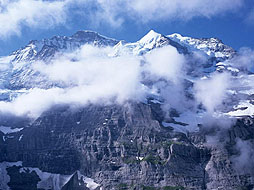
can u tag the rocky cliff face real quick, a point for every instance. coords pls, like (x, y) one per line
(122, 147)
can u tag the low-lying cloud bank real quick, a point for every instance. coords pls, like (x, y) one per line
(93, 75)
(90, 75)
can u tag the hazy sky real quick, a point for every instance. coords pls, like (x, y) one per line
(23, 20)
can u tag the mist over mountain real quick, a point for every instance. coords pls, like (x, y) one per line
(91, 112)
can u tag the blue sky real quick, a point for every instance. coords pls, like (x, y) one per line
(23, 20)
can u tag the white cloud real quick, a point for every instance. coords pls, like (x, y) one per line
(14, 14)
(89, 75)
(32, 103)
(115, 11)
(244, 161)
(212, 91)
(95, 74)
(165, 62)
(244, 60)
(108, 12)
(183, 9)
(32, 13)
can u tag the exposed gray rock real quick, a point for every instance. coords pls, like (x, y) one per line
(125, 147)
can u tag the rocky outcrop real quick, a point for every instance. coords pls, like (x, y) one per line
(124, 147)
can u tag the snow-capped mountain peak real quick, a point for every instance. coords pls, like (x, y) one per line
(20, 62)
(46, 48)
(150, 41)
(212, 47)
(150, 38)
